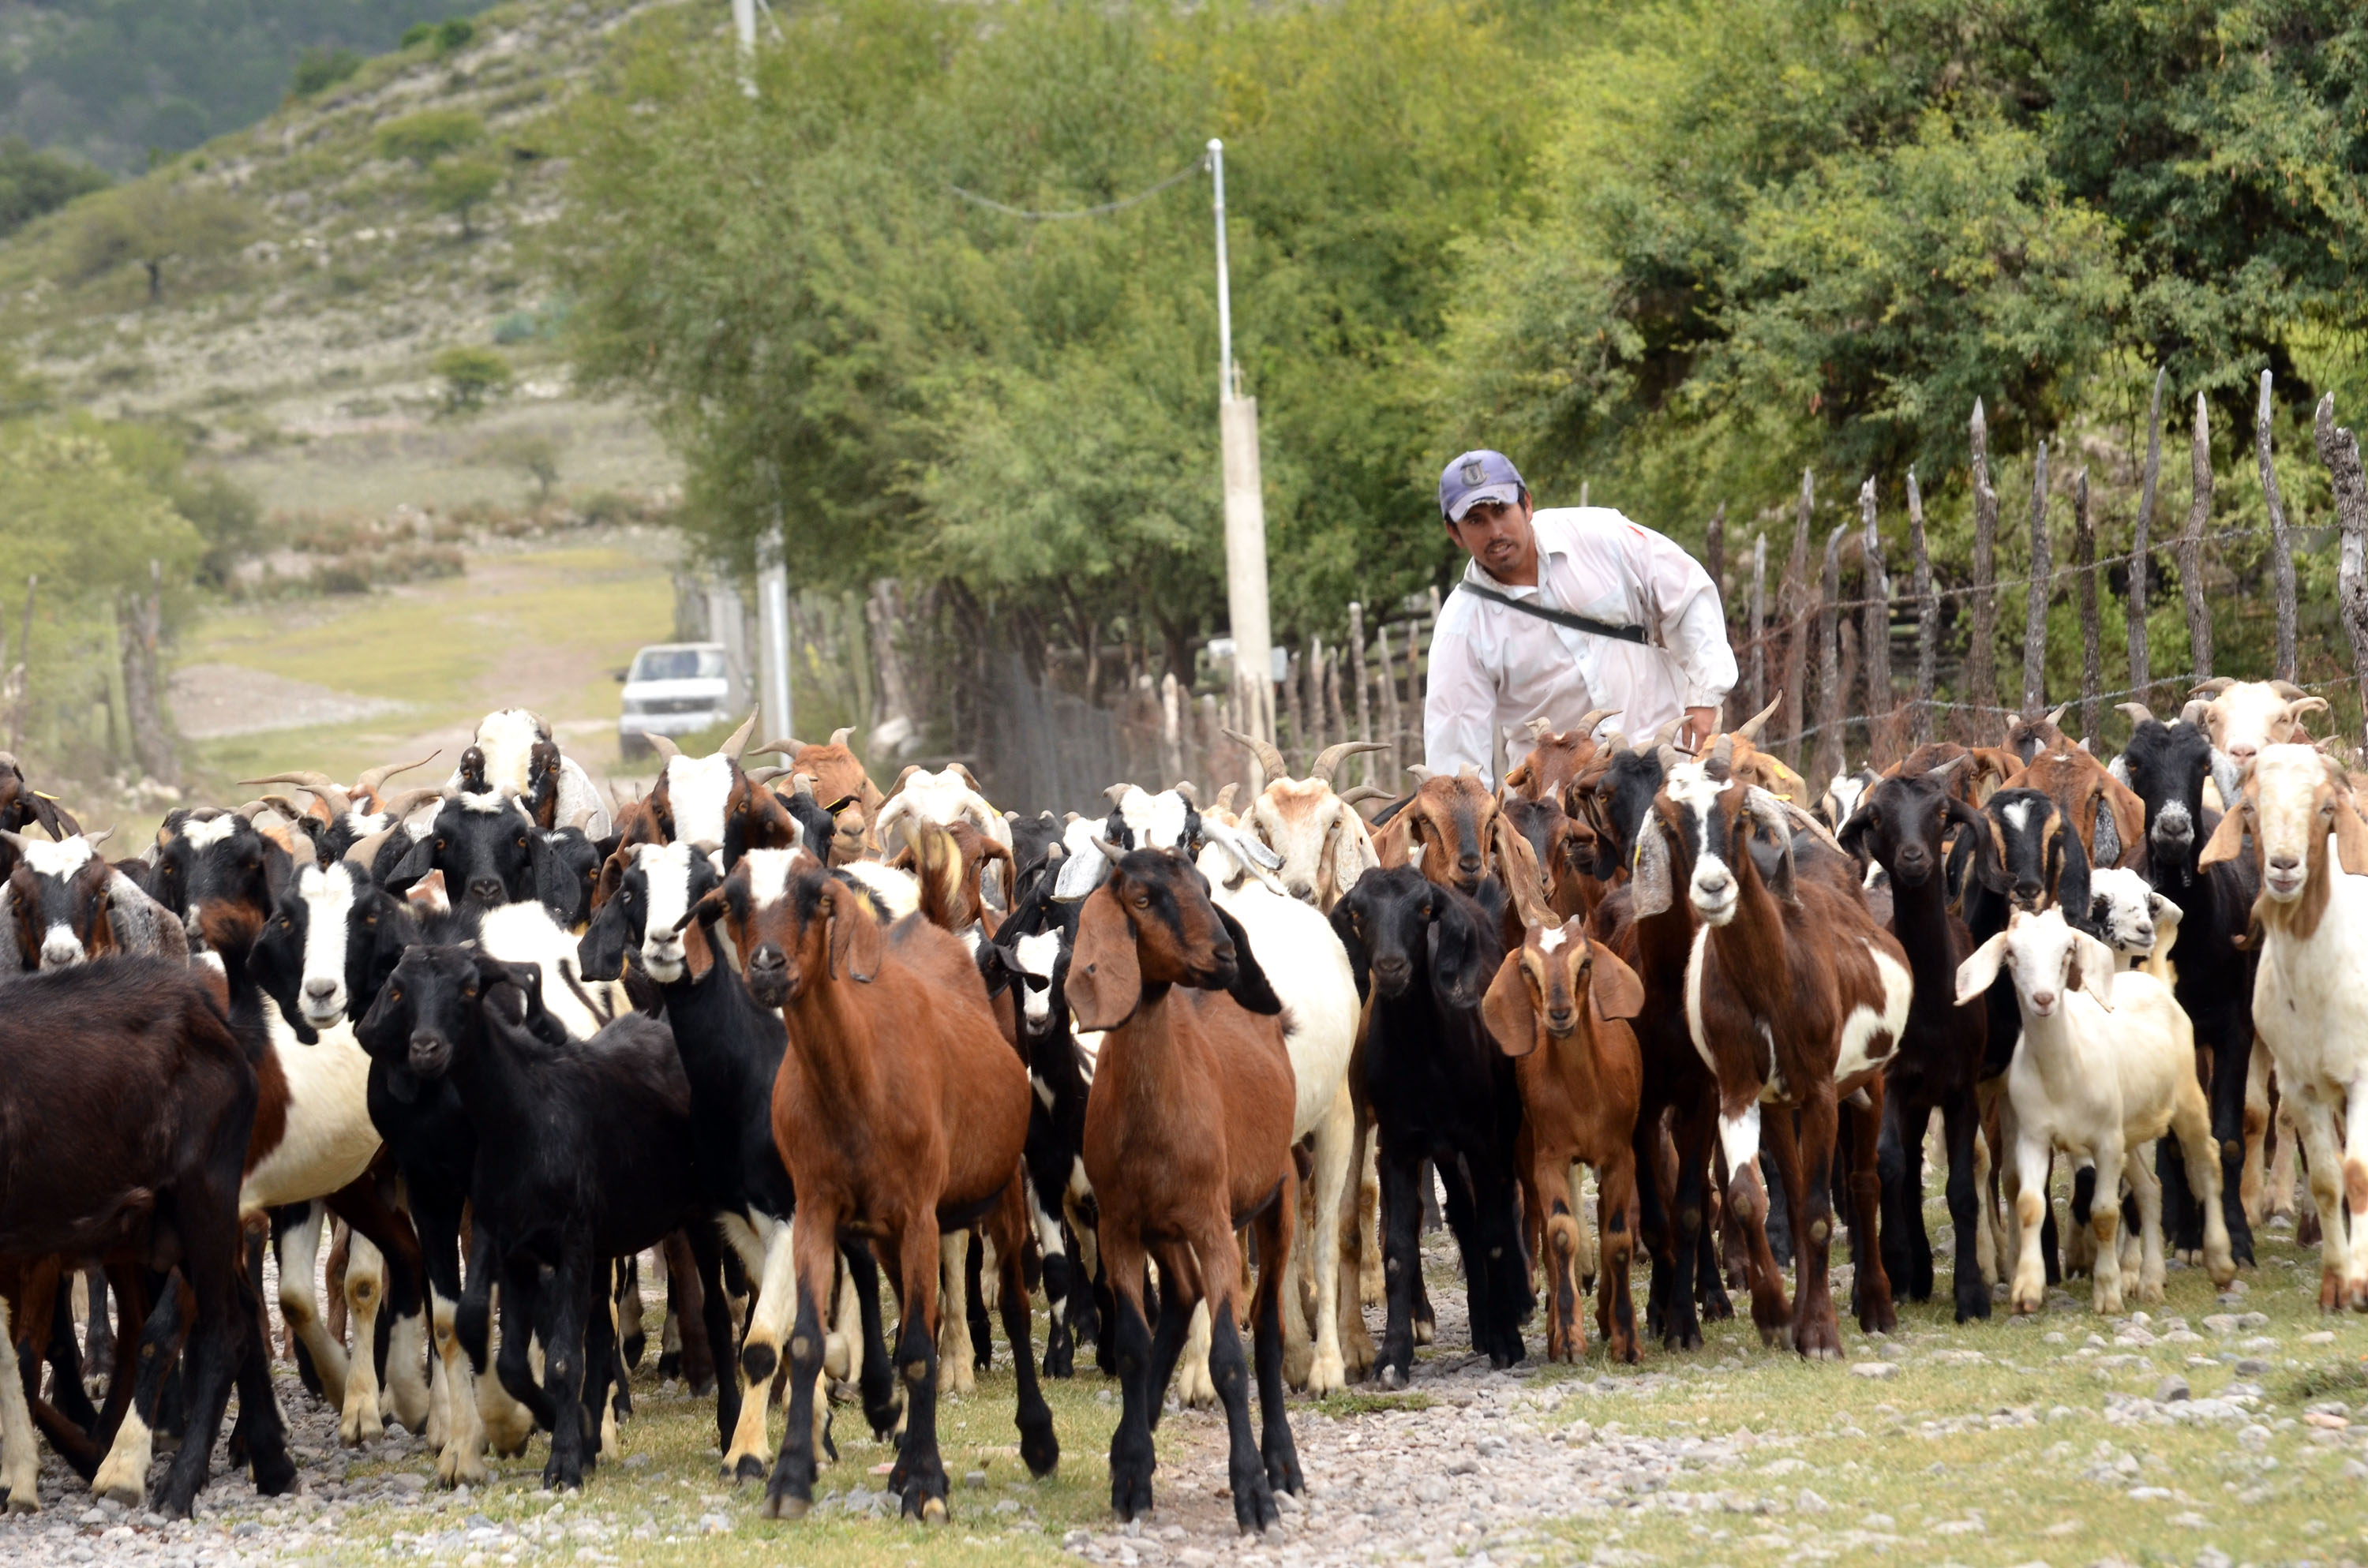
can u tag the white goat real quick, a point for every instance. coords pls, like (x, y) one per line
(507, 737)
(946, 797)
(2139, 923)
(2106, 1064)
(2308, 1004)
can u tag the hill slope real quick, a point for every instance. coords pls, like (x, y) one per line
(310, 278)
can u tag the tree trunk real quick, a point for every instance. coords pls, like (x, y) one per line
(1364, 764)
(896, 727)
(152, 739)
(1795, 600)
(1392, 726)
(1826, 754)
(2141, 676)
(1875, 622)
(2339, 450)
(2190, 546)
(1928, 618)
(2084, 561)
(2281, 572)
(1758, 628)
(2043, 569)
(1981, 651)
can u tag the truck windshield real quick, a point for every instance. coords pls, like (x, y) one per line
(678, 664)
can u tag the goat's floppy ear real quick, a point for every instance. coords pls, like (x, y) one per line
(1249, 987)
(854, 934)
(1517, 862)
(1105, 975)
(417, 862)
(2227, 840)
(1980, 970)
(600, 952)
(1852, 835)
(1349, 853)
(1650, 875)
(2350, 838)
(1507, 1011)
(1360, 959)
(2092, 968)
(1458, 960)
(1618, 993)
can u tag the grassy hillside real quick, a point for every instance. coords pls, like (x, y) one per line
(311, 271)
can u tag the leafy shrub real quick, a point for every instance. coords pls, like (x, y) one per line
(428, 135)
(33, 183)
(459, 186)
(454, 32)
(417, 34)
(469, 377)
(319, 69)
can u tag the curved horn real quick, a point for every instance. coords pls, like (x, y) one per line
(1186, 788)
(1665, 743)
(13, 840)
(787, 747)
(101, 836)
(1268, 755)
(765, 774)
(1721, 752)
(1225, 797)
(251, 810)
(1116, 793)
(2212, 688)
(664, 746)
(402, 802)
(1750, 729)
(2193, 713)
(1593, 717)
(1111, 852)
(1540, 728)
(2288, 691)
(364, 850)
(581, 817)
(1333, 756)
(802, 784)
(2056, 715)
(737, 740)
(284, 806)
(2135, 712)
(1364, 793)
(371, 780)
(838, 736)
(1422, 775)
(321, 784)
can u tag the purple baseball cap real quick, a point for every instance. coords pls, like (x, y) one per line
(1474, 477)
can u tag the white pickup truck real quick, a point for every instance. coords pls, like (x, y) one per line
(672, 688)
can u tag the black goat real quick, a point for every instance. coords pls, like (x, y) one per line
(1440, 1090)
(2165, 765)
(584, 1155)
(1030, 955)
(484, 845)
(731, 1050)
(1899, 826)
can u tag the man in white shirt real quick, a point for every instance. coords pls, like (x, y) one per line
(1560, 612)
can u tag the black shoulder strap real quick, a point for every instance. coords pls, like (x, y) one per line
(1560, 618)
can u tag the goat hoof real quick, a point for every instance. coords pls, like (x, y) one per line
(779, 1506)
(1392, 1378)
(1039, 1447)
(750, 1468)
(26, 1505)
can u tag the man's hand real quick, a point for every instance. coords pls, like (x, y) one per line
(1701, 724)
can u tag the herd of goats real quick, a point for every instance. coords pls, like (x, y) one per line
(506, 1022)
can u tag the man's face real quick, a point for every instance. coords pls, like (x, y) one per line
(1497, 534)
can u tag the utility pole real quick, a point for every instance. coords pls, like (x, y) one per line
(772, 547)
(744, 22)
(1245, 585)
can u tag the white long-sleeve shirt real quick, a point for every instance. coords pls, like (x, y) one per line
(1493, 669)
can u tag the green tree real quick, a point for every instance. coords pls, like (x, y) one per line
(469, 377)
(534, 455)
(33, 183)
(430, 134)
(155, 222)
(459, 186)
(322, 68)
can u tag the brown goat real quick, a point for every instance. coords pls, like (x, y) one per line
(1975, 782)
(1554, 759)
(2107, 814)
(1187, 1137)
(1581, 1078)
(1796, 998)
(949, 862)
(845, 790)
(900, 1113)
(1446, 828)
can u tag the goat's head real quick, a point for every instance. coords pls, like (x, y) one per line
(2243, 716)
(1539, 987)
(843, 787)
(220, 876)
(438, 1007)
(2295, 797)
(946, 797)
(2164, 766)
(1613, 796)
(2099, 807)
(1399, 927)
(1901, 822)
(952, 862)
(2032, 855)
(1448, 820)
(1150, 926)
(2132, 915)
(484, 845)
(2049, 959)
(60, 890)
(2026, 736)
(21, 806)
(1323, 843)
(1988, 767)
(540, 796)
(1716, 815)
(1030, 954)
(1554, 759)
(566, 865)
(307, 957)
(1844, 793)
(795, 924)
(651, 900)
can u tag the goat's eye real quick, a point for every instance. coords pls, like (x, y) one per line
(285, 924)
(369, 922)
(625, 897)
(439, 847)
(395, 992)
(468, 991)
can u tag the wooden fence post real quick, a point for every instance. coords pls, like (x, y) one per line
(1417, 744)
(2043, 568)
(2084, 561)
(2339, 450)
(2281, 573)
(1758, 673)
(1826, 751)
(1874, 621)
(1981, 651)
(1714, 564)
(2141, 677)
(1171, 728)
(1794, 602)
(1364, 702)
(2190, 546)
(1928, 617)
(1393, 730)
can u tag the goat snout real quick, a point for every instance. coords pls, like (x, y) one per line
(430, 1054)
(488, 891)
(61, 948)
(2286, 876)
(1305, 892)
(1393, 973)
(1562, 1021)
(768, 974)
(2042, 1002)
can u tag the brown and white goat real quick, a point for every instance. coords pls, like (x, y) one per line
(1796, 998)
(899, 1112)
(1559, 1005)
(1324, 843)
(1188, 1136)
